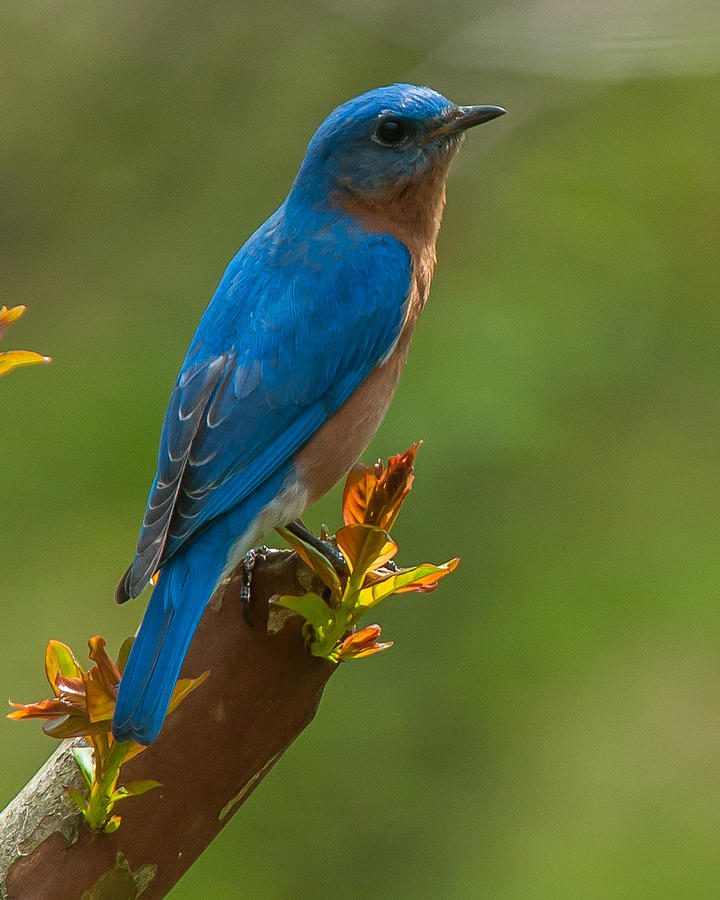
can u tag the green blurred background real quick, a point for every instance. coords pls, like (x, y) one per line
(548, 722)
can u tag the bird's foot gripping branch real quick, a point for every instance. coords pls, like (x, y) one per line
(372, 499)
(84, 701)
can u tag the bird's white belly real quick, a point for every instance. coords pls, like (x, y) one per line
(286, 507)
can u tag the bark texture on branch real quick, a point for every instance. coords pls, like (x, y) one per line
(213, 751)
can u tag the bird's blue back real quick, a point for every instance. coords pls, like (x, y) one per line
(304, 311)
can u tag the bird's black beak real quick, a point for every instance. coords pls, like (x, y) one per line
(460, 118)
(469, 116)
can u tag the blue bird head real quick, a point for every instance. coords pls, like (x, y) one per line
(384, 139)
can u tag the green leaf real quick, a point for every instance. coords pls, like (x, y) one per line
(140, 787)
(123, 653)
(134, 789)
(314, 560)
(76, 797)
(85, 758)
(60, 660)
(311, 607)
(422, 578)
(112, 824)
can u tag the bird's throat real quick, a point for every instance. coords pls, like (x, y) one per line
(410, 210)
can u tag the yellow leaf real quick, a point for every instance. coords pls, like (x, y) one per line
(8, 316)
(60, 660)
(134, 749)
(424, 583)
(184, 687)
(14, 358)
(422, 579)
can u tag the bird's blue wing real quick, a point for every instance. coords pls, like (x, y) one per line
(278, 351)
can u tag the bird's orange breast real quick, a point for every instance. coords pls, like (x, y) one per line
(411, 212)
(323, 460)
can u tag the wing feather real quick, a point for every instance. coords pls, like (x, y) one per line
(277, 352)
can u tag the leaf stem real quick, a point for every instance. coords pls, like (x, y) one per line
(107, 772)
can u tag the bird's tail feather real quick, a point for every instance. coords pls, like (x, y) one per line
(157, 654)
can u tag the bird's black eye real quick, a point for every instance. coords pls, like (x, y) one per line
(390, 131)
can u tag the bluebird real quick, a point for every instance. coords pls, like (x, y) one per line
(292, 367)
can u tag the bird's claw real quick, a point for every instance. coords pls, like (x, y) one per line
(247, 572)
(328, 550)
(336, 559)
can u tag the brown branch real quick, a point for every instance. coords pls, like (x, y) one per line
(212, 753)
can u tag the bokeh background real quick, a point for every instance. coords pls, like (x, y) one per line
(548, 722)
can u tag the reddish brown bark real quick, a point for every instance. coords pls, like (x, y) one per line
(212, 753)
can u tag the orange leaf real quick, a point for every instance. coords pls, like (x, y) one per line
(365, 546)
(362, 643)
(43, 709)
(64, 721)
(108, 671)
(84, 703)
(100, 699)
(373, 495)
(71, 691)
(359, 486)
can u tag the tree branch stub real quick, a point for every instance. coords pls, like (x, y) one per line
(214, 750)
